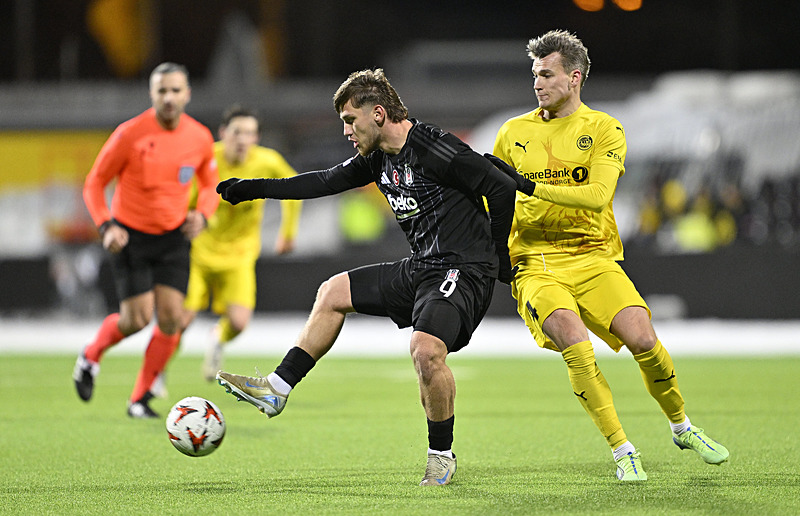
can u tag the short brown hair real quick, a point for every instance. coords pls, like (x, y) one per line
(573, 53)
(370, 87)
(238, 110)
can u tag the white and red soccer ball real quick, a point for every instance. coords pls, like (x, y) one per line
(195, 426)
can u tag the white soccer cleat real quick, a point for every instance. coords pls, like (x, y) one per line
(212, 361)
(256, 391)
(439, 470)
(159, 386)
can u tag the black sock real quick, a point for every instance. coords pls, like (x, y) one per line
(295, 365)
(440, 434)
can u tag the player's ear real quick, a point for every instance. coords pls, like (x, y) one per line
(575, 78)
(379, 114)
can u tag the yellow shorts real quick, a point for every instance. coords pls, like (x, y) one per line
(595, 289)
(235, 286)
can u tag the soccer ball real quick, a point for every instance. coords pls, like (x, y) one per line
(195, 426)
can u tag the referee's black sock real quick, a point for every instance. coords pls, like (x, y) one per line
(295, 365)
(440, 434)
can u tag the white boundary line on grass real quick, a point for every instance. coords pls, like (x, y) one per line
(273, 334)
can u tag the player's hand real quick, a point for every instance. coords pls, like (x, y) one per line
(284, 245)
(195, 223)
(507, 273)
(524, 184)
(235, 190)
(115, 238)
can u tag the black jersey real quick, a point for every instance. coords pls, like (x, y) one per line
(435, 186)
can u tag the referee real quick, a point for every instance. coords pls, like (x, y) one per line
(154, 157)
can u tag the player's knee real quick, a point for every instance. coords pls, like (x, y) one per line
(641, 343)
(565, 328)
(170, 320)
(131, 323)
(169, 326)
(238, 324)
(186, 319)
(323, 293)
(428, 354)
(334, 294)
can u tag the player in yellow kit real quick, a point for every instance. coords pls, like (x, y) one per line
(223, 256)
(566, 159)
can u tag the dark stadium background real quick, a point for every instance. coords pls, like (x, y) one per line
(319, 38)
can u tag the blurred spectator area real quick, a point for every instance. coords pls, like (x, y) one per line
(712, 168)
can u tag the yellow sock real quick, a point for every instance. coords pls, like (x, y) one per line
(593, 392)
(226, 333)
(658, 373)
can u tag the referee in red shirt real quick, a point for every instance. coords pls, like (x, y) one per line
(154, 158)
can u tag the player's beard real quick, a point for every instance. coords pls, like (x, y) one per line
(369, 143)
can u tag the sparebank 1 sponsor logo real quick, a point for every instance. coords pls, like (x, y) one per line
(559, 176)
(580, 174)
(403, 206)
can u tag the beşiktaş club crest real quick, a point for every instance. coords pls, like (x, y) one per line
(408, 175)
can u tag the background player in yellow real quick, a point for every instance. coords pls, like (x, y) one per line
(566, 159)
(223, 256)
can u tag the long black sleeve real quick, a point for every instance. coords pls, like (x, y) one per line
(481, 177)
(500, 193)
(308, 185)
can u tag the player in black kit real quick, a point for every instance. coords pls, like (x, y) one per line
(435, 185)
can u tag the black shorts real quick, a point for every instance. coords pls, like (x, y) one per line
(448, 304)
(148, 260)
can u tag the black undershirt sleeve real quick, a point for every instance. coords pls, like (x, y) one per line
(480, 176)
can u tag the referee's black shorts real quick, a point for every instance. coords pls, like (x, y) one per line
(446, 303)
(148, 260)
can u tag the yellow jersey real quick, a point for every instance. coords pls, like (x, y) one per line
(575, 162)
(233, 235)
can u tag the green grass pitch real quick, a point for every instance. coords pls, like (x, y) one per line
(353, 438)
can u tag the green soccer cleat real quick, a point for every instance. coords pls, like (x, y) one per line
(629, 468)
(696, 439)
(256, 391)
(439, 471)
